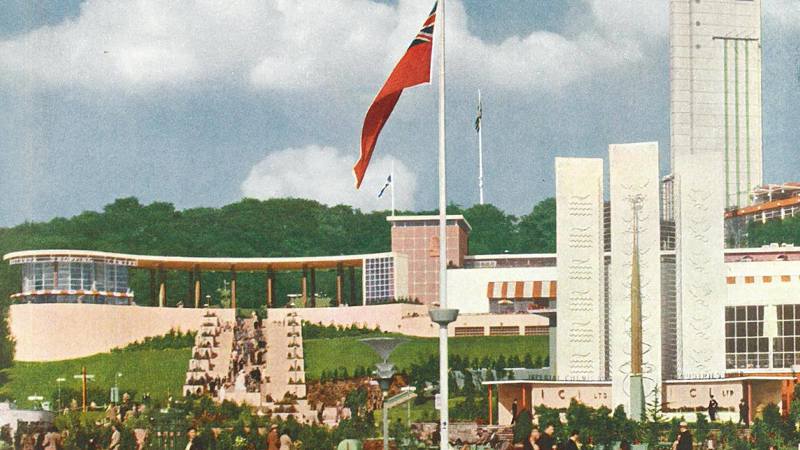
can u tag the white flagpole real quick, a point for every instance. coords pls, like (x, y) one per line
(442, 316)
(392, 184)
(480, 147)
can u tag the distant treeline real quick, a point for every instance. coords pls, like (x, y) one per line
(249, 228)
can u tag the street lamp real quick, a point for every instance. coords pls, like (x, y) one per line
(36, 398)
(60, 380)
(384, 346)
(115, 391)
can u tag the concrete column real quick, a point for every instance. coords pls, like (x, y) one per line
(197, 287)
(270, 280)
(581, 288)
(304, 287)
(491, 404)
(339, 284)
(642, 186)
(153, 297)
(352, 285)
(162, 288)
(233, 288)
(190, 288)
(313, 293)
(55, 275)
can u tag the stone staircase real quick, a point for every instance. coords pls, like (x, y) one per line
(227, 359)
(211, 353)
(284, 390)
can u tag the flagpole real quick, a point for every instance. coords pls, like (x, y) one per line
(480, 148)
(442, 316)
(394, 182)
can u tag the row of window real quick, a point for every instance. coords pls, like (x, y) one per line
(747, 346)
(74, 275)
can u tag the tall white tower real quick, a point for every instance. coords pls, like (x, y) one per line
(715, 74)
(715, 83)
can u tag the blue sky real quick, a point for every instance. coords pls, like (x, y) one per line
(203, 103)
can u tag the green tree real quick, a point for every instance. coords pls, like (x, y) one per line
(493, 231)
(537, 230)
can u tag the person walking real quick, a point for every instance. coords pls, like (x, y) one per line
(684, 438)
(273, 439)
(744, 413)
(116, 437)
(191, 436)
(713, 406)
(514, 412)
(531, 443)
(548, 440)
(573, 443)
(52, 440)
(286, 442)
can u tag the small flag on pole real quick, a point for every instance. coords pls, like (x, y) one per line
(413, 68)
(385, 186)
(480, 115)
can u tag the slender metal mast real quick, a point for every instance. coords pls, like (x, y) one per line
(392, 184)
(637, 385)
(479, 126)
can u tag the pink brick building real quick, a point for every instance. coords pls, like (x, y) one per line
(417, 238)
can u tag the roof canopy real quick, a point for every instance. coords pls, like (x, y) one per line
(191, 263)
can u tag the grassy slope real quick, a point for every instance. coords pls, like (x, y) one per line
(327, 354)
(160, 372)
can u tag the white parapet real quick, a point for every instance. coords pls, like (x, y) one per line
(634, 174)
(700, 267)
(580, 351)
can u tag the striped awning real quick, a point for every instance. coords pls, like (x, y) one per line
(521, 289)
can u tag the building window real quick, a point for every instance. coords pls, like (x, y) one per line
(786, 347)
(537, 330)
(746, 347)
(469, 331)
(503, 331)
(378, 280)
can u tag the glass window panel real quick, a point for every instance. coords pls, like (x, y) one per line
(788, 312)
(760, 313)
(752, 312)
(729, 314)
(741, 329)
(752, 345)
(730, 329)
(752, 329)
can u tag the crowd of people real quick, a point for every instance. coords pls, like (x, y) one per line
(248, 356)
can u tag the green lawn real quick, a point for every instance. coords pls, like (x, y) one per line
(328, 354)
(159, 372)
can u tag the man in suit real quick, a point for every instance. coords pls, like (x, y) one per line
(713, 406)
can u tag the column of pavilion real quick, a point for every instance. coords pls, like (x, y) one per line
(308, 285)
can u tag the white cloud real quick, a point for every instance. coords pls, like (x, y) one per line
(325, 174)
(293, 45)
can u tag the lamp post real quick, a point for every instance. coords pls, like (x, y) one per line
(115, 394)
(60, 380)
(384, 346)
(84, 377)
(36, 398)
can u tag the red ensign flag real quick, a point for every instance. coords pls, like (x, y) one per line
(413, 69)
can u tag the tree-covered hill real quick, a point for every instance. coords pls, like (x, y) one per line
(250, 228)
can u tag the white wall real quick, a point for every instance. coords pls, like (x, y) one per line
(634, 172)
(579, 249)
